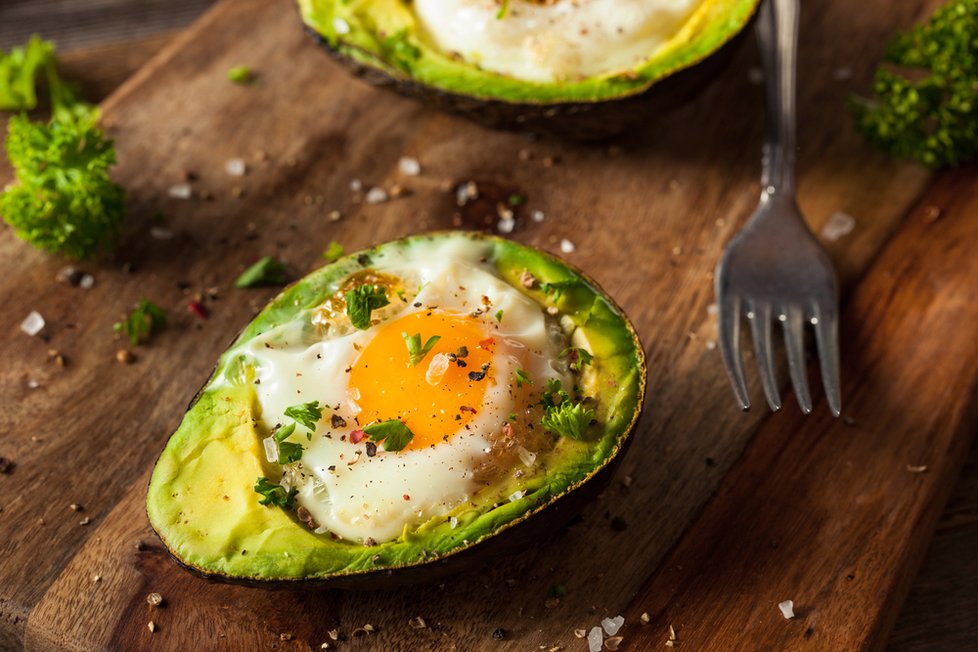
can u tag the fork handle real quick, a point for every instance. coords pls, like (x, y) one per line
(777, 35)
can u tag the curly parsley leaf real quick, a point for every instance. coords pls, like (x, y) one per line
(306, 414)
(577, 358)
(568, 419)
(361, 301)
(523, 378)
(393, 433)
(145, 319)
(562, 415)
(556, 289)
(275, 494)
(267, 271)
(416, 350)
(926, 91)
(63, 201)
(19, 71)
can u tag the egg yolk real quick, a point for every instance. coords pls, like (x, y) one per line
(436, 405)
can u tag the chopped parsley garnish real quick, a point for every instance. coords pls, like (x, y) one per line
(556, 289)
(516, 199)
(577, 358)
(562, 415)
(926, 104)
(142, 322)
(306, 414)
(334, 252)
(288, 451)
(275, 494)
(504, 7)
(416, 350)
(361, 301)
(499, 316)
(393, 433)
(241, 75)
(523, 378)
(267, 271)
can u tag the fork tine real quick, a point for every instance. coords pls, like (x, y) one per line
(760, 326)
(728, 323)
(794, 337)
(827, 338)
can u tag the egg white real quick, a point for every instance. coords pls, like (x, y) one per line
(363, 498)
(568, 39)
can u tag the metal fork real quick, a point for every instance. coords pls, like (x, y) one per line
(775, 268)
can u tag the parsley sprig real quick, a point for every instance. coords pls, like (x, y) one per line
(361, 301)
(926, 92)
(393, 433)
(304, 414)
(577, 358)
(416, 350)
(145, 319)
(63, 200)
(275, 494)
(562, 415)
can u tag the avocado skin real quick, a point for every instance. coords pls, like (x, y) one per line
(576, 121)
(190, 543)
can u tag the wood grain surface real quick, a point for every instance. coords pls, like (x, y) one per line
(667, 198)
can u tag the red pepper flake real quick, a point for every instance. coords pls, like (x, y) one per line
(507, 429)
(357, 436)
(486, 343)
(198, 309)
(407, 497)
(466, 408)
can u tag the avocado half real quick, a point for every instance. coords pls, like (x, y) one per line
(380, 41)
(201, 499)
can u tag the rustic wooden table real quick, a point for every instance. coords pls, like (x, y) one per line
(104, 42)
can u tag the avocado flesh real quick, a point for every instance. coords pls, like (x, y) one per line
(383, 36)
(201, 500)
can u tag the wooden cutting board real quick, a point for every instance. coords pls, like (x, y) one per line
(718, 515)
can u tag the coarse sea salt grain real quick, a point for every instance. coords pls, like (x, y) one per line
(180, 191)
(567, 246)
(787, 609)
(376, 196)
(340, 26)
(838, 225)
(86, 282)
(33, 323)
(594, 640)
(236, 167)
(612, 625)
(526, 456)
(356, 185)
(516, 495)
(453, 522)
(409, 166)
(271, 449)
(537, 216)
(436, 369)
(506, 226)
